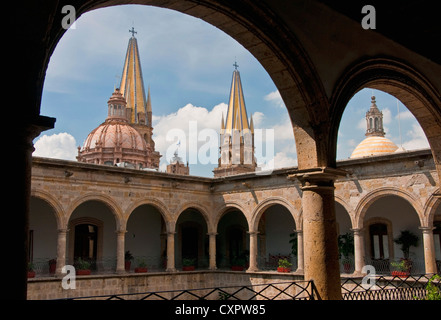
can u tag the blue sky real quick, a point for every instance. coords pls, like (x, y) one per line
(188, 65)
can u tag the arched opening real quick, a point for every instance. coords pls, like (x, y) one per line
(386, 218)
(92, 236)
(42, 238)
(399, 124)
(232, 242)
(437, 237)
(146, 239)
(276, 238)
(411, 88)
(174, 76)
(345, 239)
(192, 240)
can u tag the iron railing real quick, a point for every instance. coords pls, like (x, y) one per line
(292, 290)
(411, 287)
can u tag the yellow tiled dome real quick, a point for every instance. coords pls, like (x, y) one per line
(374, 146)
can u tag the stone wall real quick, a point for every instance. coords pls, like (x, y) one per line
(51, 288)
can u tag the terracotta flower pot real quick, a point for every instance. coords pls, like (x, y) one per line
(187, 268)
(31, 274)
(83, 272)
(237, 268)
(127, 265)
(140, 270)
(401, 274)
(284, 270)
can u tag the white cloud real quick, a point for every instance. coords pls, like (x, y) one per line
(417, 140)
(59, 146)
(180, 122)
(275, 98)
(405, 115)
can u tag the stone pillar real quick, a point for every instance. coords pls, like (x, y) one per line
(17, 196)
(358, 251)
(120, 251)
(212, 250)
(320, 231)
(253, 251)
(61, 251)
(171, 252)
(429, 250)
(300, 255)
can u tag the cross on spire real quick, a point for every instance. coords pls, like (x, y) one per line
(133, 31)
(235, 65)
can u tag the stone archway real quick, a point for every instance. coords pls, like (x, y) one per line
(398, 79)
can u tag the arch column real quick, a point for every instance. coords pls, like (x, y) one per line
(358, 250)
(61, 251)
(253, 251)
(171, 252)
(212, 250)
(300, 254)
(120, 246)
(320, 230)
(18, 195)
(429, 250)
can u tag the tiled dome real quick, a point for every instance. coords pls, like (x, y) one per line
(374, 146)
(116, 141)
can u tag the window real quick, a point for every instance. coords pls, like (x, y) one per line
(379, 241)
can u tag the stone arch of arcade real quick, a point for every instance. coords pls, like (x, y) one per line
(44, 226)
(278, 229)
(92, 224)
(145, 236)
(232, 237)
(381, 215)
(265, 35)
(399, 79)
(192, 237)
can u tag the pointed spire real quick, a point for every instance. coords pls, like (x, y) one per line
(132, 85)
(237, 118)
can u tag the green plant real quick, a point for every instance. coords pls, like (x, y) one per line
(293, 242)
(433, 292)
(128, 256)
(284, 263)
(401, 266)
(82, 264)
(30, 266)
(406, 239)
(140, 262)
(345, 245)
(238, 261)
(188, 262)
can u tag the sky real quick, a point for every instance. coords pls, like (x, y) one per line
(188, 65)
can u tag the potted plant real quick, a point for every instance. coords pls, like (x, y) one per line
(402, 269)
(82, 267)
(188, 264)
(31, 272)
(406, 240)
(346, 249)
(284, 266)
(52, 266)
(238, 264)
(128, 257)
(141, 266)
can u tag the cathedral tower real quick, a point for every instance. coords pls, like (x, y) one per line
(125, 138)
(237, 134)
